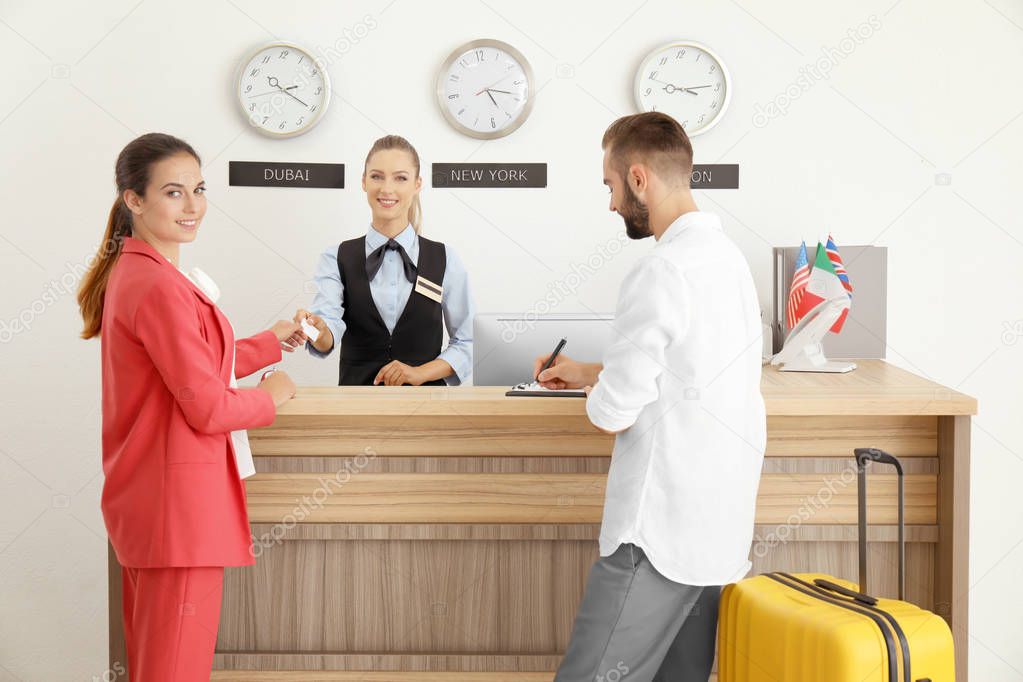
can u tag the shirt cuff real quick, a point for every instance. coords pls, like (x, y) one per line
(603, 415)
(456, 357)
(335, 331)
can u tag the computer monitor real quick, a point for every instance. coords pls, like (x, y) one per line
(505, 345)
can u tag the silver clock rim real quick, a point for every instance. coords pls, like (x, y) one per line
(526, 108)
(326, 87)
(685, 43)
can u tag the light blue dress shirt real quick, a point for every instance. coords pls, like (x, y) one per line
(391, 292)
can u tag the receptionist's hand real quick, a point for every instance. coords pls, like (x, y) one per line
(289, 334)
(325, 341)
(397, 373)
(565, 373)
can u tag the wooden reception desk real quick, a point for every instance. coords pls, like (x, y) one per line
(438, 534)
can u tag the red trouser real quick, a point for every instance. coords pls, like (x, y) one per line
(171, 616)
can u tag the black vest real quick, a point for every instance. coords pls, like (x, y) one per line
(366, 345)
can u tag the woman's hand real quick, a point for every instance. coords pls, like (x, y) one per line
(325, 341)
(290, 334)
(397, 373)
(280, 387)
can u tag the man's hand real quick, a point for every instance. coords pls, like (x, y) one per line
(566, 373)
(397, 373)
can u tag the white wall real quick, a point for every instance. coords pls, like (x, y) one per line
(934, 89)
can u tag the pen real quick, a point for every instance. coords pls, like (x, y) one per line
(550, 360)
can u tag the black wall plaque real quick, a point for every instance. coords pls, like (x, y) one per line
(490, 175)
(715, 176)
(275, 174)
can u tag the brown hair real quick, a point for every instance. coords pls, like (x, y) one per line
(131, 172)
(415, 211)
(652, 138)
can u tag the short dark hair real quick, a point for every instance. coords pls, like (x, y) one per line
(652, 138)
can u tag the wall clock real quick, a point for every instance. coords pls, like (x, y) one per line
(687, 81)
(282, 90)
(485, 89)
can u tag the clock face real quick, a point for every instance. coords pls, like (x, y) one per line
(485, 89)
(282, 91)
(686, 81)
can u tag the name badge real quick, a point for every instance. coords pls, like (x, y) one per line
(429, 289)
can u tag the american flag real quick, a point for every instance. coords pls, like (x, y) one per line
(799, 280)
(836, 262)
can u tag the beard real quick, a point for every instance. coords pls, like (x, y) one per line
(636, 216)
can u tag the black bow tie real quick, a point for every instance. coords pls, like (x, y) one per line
(376, 258)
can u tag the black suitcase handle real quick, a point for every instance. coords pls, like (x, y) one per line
(835, 587)
(863, 457)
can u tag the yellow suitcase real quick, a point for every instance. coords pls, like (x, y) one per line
(810, 627)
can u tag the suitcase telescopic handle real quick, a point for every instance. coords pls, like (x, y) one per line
(863, 457)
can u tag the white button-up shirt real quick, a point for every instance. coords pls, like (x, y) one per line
(683, 381)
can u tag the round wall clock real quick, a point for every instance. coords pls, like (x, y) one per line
(687, 81)
(485, 89)
(282, 90)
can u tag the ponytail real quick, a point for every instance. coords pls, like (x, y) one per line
(94, 284)
(130, 172)
(415, 214)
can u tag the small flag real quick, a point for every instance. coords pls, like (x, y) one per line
(799, 279)
(823, 285)
(836, 262)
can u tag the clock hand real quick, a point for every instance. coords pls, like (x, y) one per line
(491, 98)
(502, 91)
(272, 92)
(494, 83)
(274, 83)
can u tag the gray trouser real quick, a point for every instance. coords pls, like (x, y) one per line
(636, 625)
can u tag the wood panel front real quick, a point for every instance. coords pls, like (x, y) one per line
(510, 603)
(553, 498)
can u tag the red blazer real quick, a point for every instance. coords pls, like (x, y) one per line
(171, 495)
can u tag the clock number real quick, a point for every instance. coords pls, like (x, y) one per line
(299, 121)
(464, 63)
(664, 60)
(248, 88)
(647, 92)
(283, 54)
(455, 96)
(653, 75)
(254, 72)
(680, 54)
(700, 120)
(717, 87)
(714, 104)
(518, 82)
(713, 67)
(493, 123)
(698, 56)
(281, 126)
(685, 123)
(318, 90)
(252, 107)
(265, 119)
(454, 78)
(479, 55)
(312, 108)
(265, 59)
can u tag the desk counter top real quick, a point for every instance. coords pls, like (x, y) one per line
(874, 388)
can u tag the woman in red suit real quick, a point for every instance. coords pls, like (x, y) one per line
(173, 499)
